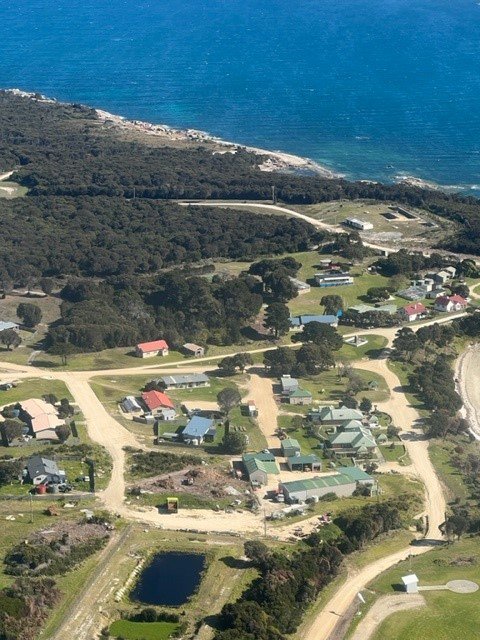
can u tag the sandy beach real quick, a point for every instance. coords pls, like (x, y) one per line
(468, 386)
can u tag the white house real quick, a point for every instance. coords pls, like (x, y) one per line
(333, 279)
(450, 303)
(355, 223)
(413, 311)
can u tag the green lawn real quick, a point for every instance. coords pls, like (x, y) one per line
(142, 630)
(372, 349)
(34, 388)
(396, 454)
(447, 615)
(441, 453)
(121, 357)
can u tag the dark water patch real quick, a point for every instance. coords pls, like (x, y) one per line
(170, 579)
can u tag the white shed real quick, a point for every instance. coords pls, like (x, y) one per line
(410, 583)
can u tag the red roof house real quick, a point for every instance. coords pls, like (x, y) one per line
(413, 311)
(157, 400)
(450, 303)
(155, 348)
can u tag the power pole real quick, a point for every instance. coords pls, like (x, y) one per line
(274, 195)
(265, 523)
(31, 509)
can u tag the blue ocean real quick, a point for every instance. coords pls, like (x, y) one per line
(370, 88)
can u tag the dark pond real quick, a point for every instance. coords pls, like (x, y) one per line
(169, 579)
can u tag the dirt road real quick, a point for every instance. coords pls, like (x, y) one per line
(407, 419)
(383, 608)
(261, 392)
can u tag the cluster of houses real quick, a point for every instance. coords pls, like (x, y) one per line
(293, 393)
(348, 430)
(161, 348)
(343, 482)
(431, 286)
(155, 405)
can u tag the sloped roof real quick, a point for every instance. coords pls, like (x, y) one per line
(36, 407)
(354, 473)
(415, 308)
(300, 393)
(290, 443)
(340, 414)
(333, 480)
(197, 427)
(297, 321)
(260, 462)
(187, 378)
(156, 399)
(303, 459)
(156, 345)
(36, 466)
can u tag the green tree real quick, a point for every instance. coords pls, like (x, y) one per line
(11, 430)
(365, 405)
(10, 470)
(256, 551)
(10, 338)
(63, 432)
(234, 443)
(377, 294)
(46, 285)
(321, 334)
(279, 361)
(29, 313)
(277, 319)
(313, 358)
(228, 399)
(406, 343)
(332, 304)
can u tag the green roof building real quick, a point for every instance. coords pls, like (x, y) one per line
(334, 416)
(300, 462)
(290, 447)
(300, 396)
(259, 466)
(343, 484)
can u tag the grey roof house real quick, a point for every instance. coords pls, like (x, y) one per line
(186, 381)
(198, 430)
(43, 471)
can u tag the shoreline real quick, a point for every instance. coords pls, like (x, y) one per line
(467, 374)
(273, 161)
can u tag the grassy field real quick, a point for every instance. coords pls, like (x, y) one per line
(34, 388)
(441, 452)
(142, 630)
(370, 350)
(447, 615)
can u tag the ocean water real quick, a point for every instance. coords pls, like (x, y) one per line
(370, 88)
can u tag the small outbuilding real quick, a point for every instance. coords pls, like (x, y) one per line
(301, 462)
(410, 583)
(193, 350)
(290, 447)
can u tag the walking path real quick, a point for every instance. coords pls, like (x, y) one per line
(383, 608)
(408, 420)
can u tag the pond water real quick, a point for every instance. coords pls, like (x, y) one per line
(170, 579)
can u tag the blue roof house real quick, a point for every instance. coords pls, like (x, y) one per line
(298, 322)
(199, 430)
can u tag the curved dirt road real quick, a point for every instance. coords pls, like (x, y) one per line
(405, 417)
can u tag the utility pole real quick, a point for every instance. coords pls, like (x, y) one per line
(265, 523)
(274, 195)
(31, 509)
